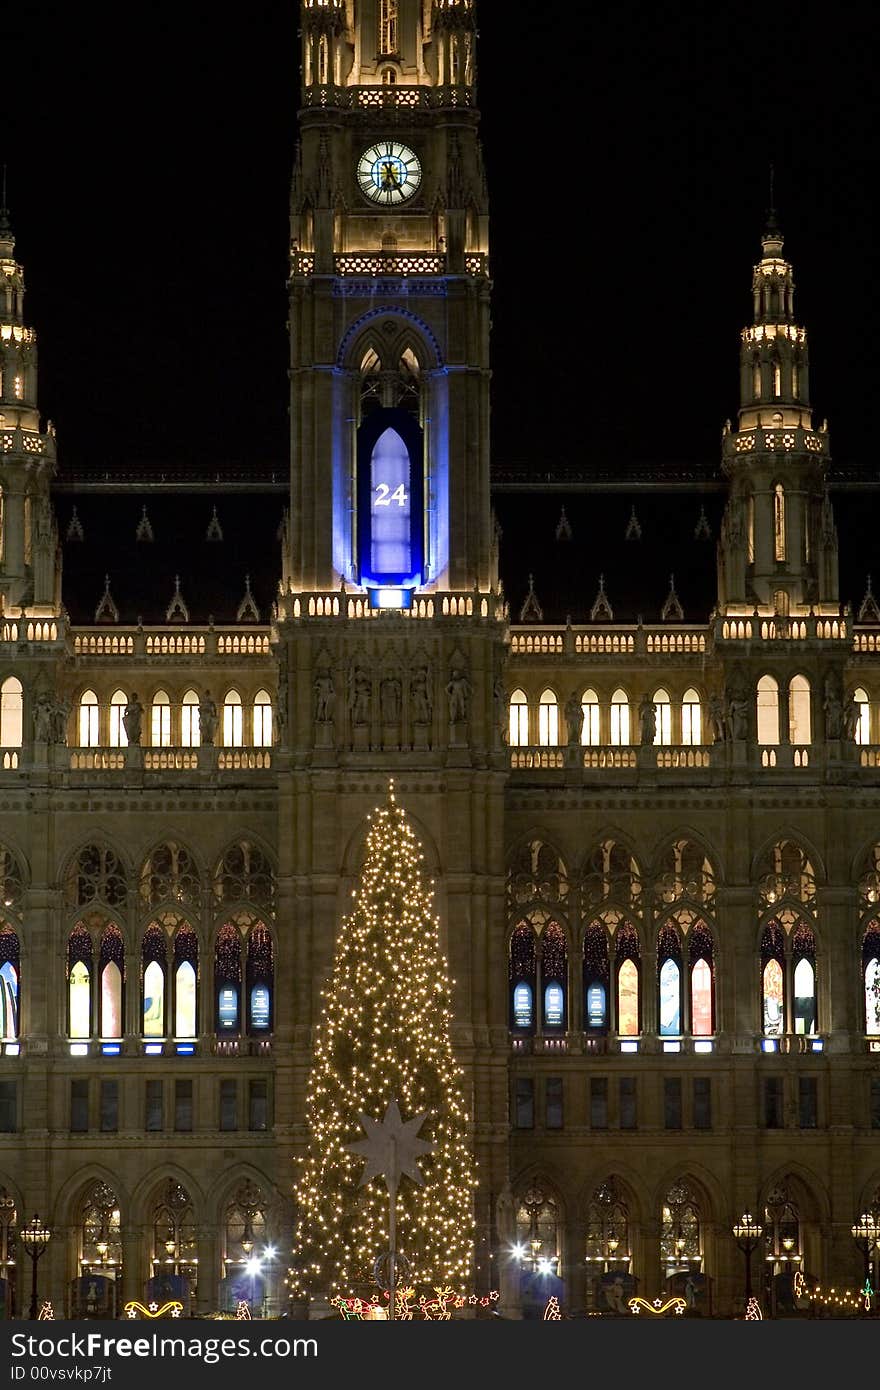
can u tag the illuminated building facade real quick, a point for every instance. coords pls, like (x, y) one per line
(656, 845)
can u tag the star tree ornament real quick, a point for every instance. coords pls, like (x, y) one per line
(392, 1149)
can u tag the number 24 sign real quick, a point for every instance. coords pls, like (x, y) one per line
(384, 495)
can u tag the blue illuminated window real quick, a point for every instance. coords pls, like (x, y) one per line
(522, 1006)
(390, 535)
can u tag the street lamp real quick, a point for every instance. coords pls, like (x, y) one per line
(747, 1232)
(866, 1234)
(35, 1237)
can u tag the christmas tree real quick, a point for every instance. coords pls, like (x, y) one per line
(383, 1036)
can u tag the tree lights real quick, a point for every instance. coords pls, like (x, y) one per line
(384, 1035)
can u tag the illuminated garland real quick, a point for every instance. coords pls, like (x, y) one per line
(658, 1308)
(834, 1298)
(385, 1034)
(437, 1309)
(172, 1309)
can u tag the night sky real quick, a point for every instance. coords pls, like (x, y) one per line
(627, 146)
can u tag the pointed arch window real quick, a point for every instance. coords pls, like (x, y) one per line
(88, 719)
(554, 979)
(118, 736)
(154, 965)
(607, 1238)
(79, 982)
(590, 708)
(803, 954)
(186, 975)
(100, 1234)
(111, 965)
(232, 720)
(260, 978)
(773, 980)
(548, 720)
(11, 713)
(262, 720)
(537, 1230)
(227, 980)
(10, 983)
(620, 719)
(702, 980)
(669, 982)
(799, 721)
(519, 720)
(175, 1249)
(596, 978)
(681, 1245)
(389, 41)
(160, 720)
(522, 970)
(627, 959)
(870, 978)
(768, 711)
(691, 718)
(782, 1233)
(863, 705)
(779, 522)
(189, 720)
(663, 717)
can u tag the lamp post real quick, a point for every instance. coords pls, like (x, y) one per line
(866, 1234)
(747, 1232)
(35, 1236)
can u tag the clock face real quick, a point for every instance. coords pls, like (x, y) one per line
(389, 172)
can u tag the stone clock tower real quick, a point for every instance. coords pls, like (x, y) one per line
(390, 620)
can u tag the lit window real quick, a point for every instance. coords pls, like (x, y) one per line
(548, 720)
(691, 718)
(19, 388)
(262, 720)
(118, 736)
(112, 969)
(799, 724)
(79, 983)
(756, 381)
(232, 722)
(189, 720)
(768, 710)
(619, 717)
(663, 717)
(186, 961)
(88, 720)
(10, 981)
(388, 39)
(590, 707)
(154, 954)
(777, 380)
(626, 951)
(863, 728)
(779, 522)
(794, 381)
(871, 963)
(259, 979)
(160, 735)
(519, 720)
(11, 709)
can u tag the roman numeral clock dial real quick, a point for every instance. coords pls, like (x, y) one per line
(389, 173)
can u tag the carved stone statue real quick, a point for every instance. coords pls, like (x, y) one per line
(360, 696)
(281, 711)
(502, 720)
(717, 718)
(420, 695)
(647, 720)
(738, 717)
(60, 713)
(207, 720)
(43, 719)
(325, 697)
(574, 718)
(851, 717)
(459, 691)
(390, 693)
(833, 707)
(132, 719)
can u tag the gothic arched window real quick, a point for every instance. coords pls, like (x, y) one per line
(80, 965)
(189, 720)
(863, 704)
(88, 719)
(100, 1232)
(160, 720)
(111, 968)
(170, 874)
(232, 720)
(175, 1250)
(620, 720)
(627, 969)
(663, 717)
(768, 710)
(522, 972)
(262, 720)
(691, 718)
(590, 707)
(244, 874)
(95, 875)
(669, 982)
(11, 713)
(554, 978)
(799, 721)
(10, 983)
(244, 1230)
(186, 980)
(537, 1230)
(702, 980)
(681, 1244)
(259, 979)
(596, 978)
(227, 980)
(519, 720)
(788, 977)
(548, 720)
(118, 736)
(608, 1249)
(9, 1249)
(154, 969)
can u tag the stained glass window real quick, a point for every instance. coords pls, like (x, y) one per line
(79, 982)
(871, 969)
(522, 972)
(10, 979)
(186, 957)
(669, 981)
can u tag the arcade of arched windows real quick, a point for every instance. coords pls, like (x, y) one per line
(167, 953)
(153, 1249)
(614, 1240)
(617, 953)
